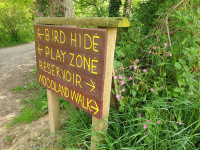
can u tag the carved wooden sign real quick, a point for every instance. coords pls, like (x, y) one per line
(71, 63)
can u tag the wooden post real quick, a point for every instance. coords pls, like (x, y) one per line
(54, 110)
(101, 125)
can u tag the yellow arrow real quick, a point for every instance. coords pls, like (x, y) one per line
(95, 108)
(39, 34)
(92, 85)
(39, 49)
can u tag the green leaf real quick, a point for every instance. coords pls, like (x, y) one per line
(116, 64)
(178, 90)
(133, 93)
(178, 65)
(182, 61)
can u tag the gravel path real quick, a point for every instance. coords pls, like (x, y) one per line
(15, 66)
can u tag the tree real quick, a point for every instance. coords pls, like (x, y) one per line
(114, 6)
(54, 8)
(92, 8)
(127, 8)
(69, 8)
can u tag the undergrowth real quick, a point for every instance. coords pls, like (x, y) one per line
(36, 105)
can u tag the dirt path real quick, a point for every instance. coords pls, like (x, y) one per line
(14, 63)
(15, 66)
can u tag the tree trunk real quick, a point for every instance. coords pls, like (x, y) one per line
(69, 8)
(127, 8)
(56, 8)
(50, 8)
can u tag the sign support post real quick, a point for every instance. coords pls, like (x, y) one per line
(54, 110)
(62, 55)
(101, 124)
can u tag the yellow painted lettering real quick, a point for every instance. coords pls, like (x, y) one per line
(44, 65)
(83, 104)
(48, 66)
(93, 66)
(52, 85)
(79, 40)
(87, 62)
(72, 59)
(63, 54)
(85, 43)
(51, 54)
(70, 76)
(63, 74)
(80, 99)
(52, 69)
(39, 78)
(58, 55)
(57, 72)
(48, 85)
(52, 35)
(61, 89)
(74, 96)
(73, 40)
(79, 56)
(94, 44)
(88, 104)
(56, 36)
(66, 94)
(44, 80)
(62, 37)
(78, 80)
(47, 34)
(40, 65)
(47, 51)
(55, 89)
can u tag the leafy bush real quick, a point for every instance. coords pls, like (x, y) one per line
(16, 25)
(158, 80)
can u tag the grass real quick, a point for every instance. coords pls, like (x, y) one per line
(125, 130)
(35, 106)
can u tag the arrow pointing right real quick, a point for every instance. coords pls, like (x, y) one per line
(92, 85)
(95, 108)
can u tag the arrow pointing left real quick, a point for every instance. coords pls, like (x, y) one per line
(95, 108)
(39, 49)
(39, 34)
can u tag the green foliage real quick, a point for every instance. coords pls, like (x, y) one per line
(58, 11)
(43, 6)
(91, 8)
(15, 23)
(114, 8)
(33, 107)
(76, 132)
(158, 82)
(146, 13)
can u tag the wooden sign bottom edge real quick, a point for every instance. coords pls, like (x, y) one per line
(81, 100)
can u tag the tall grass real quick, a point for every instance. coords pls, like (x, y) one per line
(126, 131)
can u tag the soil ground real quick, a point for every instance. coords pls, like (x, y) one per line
(16, 64)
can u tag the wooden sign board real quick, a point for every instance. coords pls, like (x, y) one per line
(71, 63)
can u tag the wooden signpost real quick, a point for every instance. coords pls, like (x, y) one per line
(76, 64)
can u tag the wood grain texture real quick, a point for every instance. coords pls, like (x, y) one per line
(54, 110)
(89, 21)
